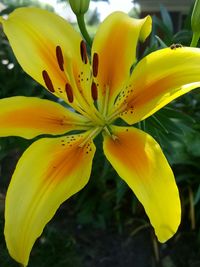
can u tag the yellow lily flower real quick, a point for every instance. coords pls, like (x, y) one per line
(53, 169)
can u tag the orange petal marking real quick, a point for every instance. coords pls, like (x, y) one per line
(61, 169)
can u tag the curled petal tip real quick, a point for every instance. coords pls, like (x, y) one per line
(106, 48)
(146, 28)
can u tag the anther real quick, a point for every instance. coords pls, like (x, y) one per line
(95, 64)
(59, 56)
(68, 90)
(83, 51)
(48, 81)
(94, 91)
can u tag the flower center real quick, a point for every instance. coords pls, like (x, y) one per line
(79, 87)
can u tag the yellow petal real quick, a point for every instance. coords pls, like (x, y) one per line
(51, 51)
(48, 173)
(30, 116)
(139, 161)
(158, 79)
(114, 52)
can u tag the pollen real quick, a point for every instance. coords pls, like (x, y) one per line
(83, 51)
(94, 91)
(59, 56)
(69, 92)
(48, 81)
(95, 64)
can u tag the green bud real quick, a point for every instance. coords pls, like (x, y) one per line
(195, 22)
(79, 7)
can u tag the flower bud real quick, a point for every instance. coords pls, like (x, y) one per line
(79, 7)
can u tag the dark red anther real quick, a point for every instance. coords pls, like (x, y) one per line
(83, 50)
(48, 81)
(94, 91)
(68, 90)
(59, 56)
(95, 64)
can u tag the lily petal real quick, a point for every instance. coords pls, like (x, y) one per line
(114, 52)
(51, 51)
(158, 79)
(30, 116)
(62, 167)
(139, 161)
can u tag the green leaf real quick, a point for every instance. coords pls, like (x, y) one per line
(161, 42)
(170, 125)
(192, 141)
(184, 37)
(156, 123)
(120, 190)
(166, 18)
(165, 31)
(173, 113)
(197, 196)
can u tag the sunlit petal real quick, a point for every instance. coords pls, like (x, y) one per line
(114, 52)
(51, 51)
(158, 79)
(48, 173)
(30, 116)
(139, 160)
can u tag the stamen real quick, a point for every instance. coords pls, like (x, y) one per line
(83, 50)
(68, 90)
(95, 64)
(48, 81)
(94, 91)
(91, 135)
(59, 56)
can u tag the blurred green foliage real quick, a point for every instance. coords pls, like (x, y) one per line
(107, 202)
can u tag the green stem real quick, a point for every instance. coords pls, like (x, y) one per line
(195, 39)
(82, 27)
